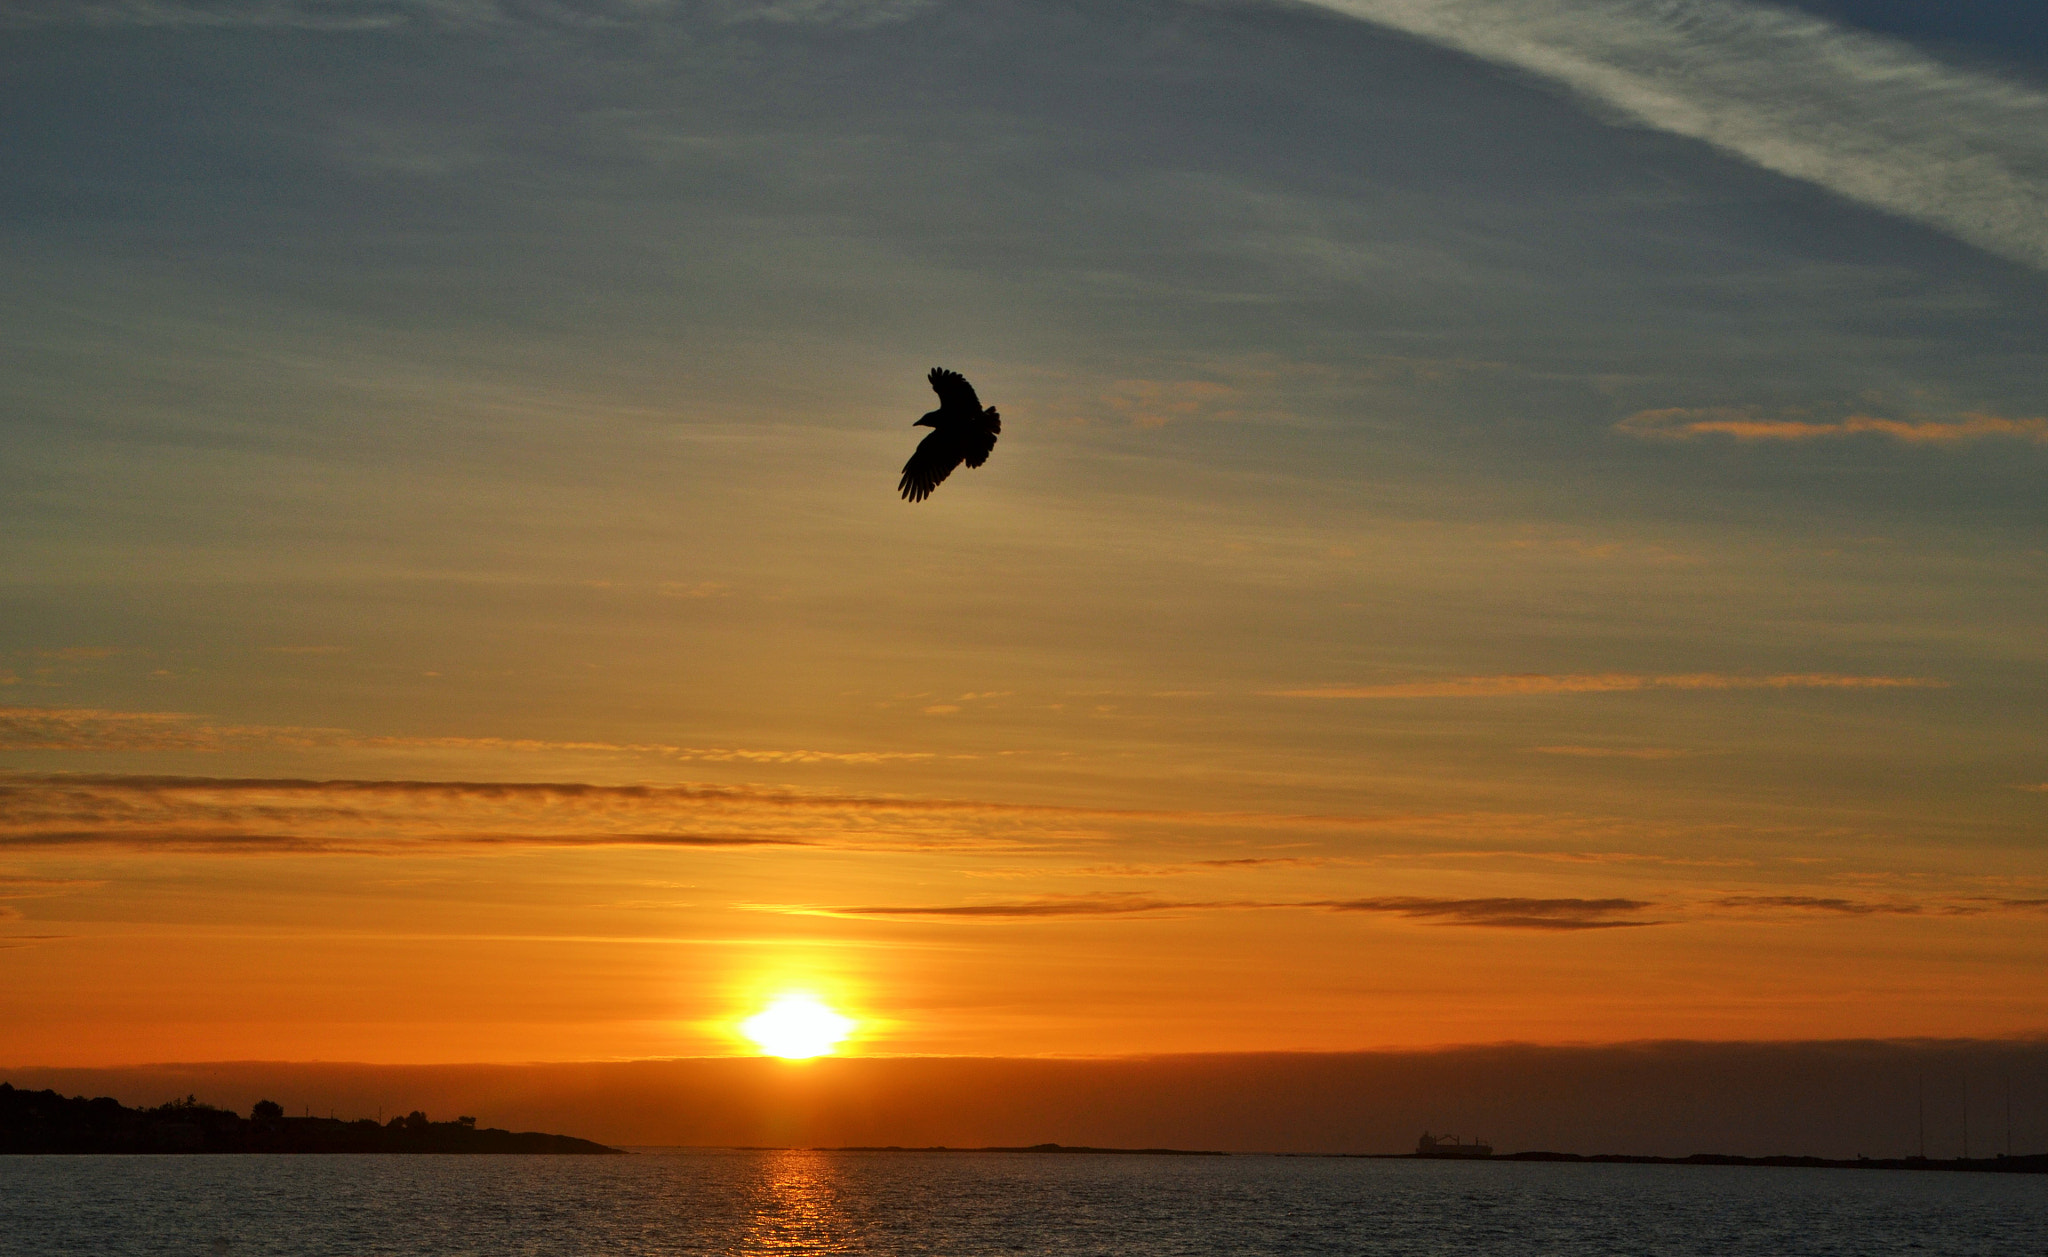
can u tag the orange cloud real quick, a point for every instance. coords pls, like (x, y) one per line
(1511, 914)
(91, 729)
(1745, 424)
(1955, 907)
(1610, 752)
(1521, 683)
(1814, 903)
(1500, 913)
(34, 887)
(1026, 909)
(262, 816)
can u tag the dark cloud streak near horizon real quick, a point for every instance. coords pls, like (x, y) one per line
(1506, 913)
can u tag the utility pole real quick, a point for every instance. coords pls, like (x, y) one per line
(1966, 1117)
(2008, 1115)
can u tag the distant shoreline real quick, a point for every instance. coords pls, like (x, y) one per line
(44, 1123)
(2033, 1163)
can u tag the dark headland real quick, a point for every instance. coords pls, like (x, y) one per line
(45, 1122)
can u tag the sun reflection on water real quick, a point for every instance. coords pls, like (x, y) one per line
(796, 1207)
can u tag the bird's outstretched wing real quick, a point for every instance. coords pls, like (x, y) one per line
(934, 459)
(954, 391)
(978, 439)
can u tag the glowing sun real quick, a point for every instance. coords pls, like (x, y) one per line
(797, 1027)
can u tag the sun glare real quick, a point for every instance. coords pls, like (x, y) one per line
(797, 1027)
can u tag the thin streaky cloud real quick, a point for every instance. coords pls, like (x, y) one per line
(1814, 903)
(1503, 913)
(376, 15)
(93, 729)
(1568, 857)
(1610, 752)
(36, 887)
(19, 942)
(1870, 118)
(68, 791)
(1252, 861)
(709, 754)
(1966, 906)
(269, 815)
(231, 842)
(289, 14)
(1741, 424)
(1524, 683)
(1028, 909)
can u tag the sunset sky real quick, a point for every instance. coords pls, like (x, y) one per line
(1515, 520)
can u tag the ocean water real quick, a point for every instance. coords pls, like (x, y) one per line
(975, 1203)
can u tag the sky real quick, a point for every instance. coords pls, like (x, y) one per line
(1515, 521)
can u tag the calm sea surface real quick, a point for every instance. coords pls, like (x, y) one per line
(822, 1202)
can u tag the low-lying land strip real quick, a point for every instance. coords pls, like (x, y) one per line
(45, 1122)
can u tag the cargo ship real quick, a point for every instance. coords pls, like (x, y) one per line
(1448, 1146)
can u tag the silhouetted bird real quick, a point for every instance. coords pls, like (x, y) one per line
(962, 432)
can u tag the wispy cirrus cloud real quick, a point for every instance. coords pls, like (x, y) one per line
(92, 729)
(1526, 683)
(1867, 117)
(372, 15)
(16, 887)
(1964, 906)
(1610, 752)
(1021, 909)
(707, 754)
(284, 816)
(277, 815)
(1750, 424)
(1819, 903)
(339, 15)
(1504, 913)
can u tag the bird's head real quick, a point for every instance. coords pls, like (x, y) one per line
(930, 420)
